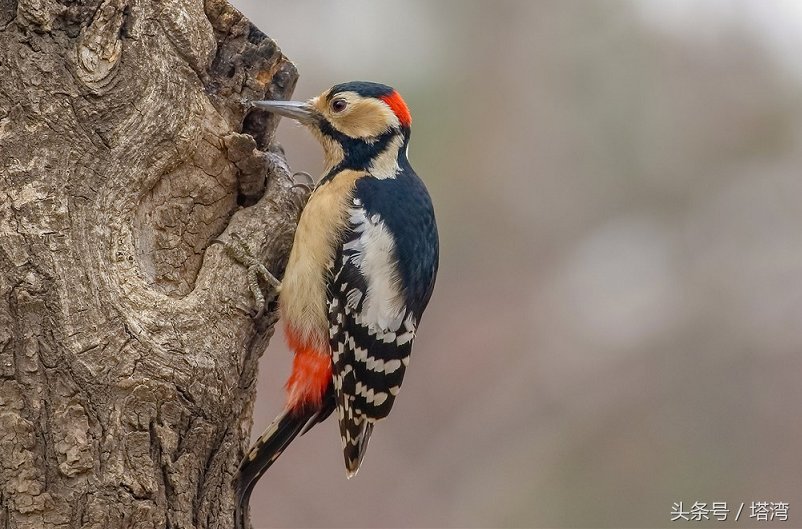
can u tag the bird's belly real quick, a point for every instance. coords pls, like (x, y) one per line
(303, 291)
(303, 301)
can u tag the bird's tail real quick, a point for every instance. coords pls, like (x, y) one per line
(355, 435)
(268, 447)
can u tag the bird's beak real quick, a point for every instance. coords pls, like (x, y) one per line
(297, 110)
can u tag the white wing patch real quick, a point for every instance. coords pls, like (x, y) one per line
(374, 255)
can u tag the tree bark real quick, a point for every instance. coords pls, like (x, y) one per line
(128, 350)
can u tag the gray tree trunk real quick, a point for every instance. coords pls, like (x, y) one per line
(127, 347)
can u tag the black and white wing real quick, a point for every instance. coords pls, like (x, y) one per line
(371, 330)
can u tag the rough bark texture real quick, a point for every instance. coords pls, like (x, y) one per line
(127, 348)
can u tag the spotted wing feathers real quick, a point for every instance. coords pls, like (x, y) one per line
(371, 331)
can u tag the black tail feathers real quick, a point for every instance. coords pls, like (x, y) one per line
(261, 456)
(355, 444)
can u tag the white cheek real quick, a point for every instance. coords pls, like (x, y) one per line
(385, 165)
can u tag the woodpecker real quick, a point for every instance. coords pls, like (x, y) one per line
(359, 276)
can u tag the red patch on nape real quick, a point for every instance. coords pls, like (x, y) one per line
(396, 103)
(311, 374)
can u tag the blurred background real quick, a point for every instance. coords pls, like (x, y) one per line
(617, 322)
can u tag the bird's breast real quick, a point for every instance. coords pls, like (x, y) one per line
(303, 293)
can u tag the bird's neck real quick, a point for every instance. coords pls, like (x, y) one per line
(380, 156)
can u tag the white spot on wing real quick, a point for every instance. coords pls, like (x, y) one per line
(360, 354)
(392, 366)
(376, 398)
(379, 398)
(374, 364)
(404, 338)
(354, 297)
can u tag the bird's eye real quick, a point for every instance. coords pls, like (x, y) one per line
(338, 105)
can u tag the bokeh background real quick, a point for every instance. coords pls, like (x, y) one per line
(617, 322)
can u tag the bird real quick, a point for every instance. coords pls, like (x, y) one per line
(359, 276)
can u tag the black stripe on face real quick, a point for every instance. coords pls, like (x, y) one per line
(358, 152)
(363, 88)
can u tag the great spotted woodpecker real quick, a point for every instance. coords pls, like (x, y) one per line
(359, 276)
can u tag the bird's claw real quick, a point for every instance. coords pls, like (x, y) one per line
(241, 253)
(307, 183)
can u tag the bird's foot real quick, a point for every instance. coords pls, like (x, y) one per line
(303, 180)
(241, 253)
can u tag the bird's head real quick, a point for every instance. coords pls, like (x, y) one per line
(355, 122)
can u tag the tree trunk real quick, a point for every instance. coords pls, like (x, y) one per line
(128, 349)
